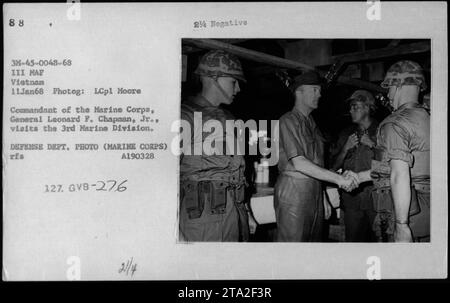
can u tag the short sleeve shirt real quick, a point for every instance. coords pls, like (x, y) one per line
(299, 136)
(358, 158)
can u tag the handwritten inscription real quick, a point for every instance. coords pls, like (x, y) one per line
(107, 185)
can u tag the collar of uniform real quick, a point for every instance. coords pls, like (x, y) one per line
(373, 126)
(408, 105)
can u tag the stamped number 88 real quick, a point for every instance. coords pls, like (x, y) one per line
(12, 22)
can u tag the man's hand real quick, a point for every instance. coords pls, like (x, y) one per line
(349, 181)
(352, 175)
(352, 141)
(365, 139)
(348, 184)
(402, 233)
(326, 206)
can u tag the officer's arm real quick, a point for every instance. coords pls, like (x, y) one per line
(308, 168)
(400, 186)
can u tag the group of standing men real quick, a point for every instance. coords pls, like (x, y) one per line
(386, 180)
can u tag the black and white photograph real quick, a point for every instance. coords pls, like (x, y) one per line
(350, 160)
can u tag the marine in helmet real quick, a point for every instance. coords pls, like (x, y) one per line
(212, 183)
(402, 172)
(354, 151)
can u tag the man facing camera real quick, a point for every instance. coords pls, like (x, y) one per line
(299, 202)
(354, 151)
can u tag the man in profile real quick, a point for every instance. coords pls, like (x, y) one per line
(401, 173)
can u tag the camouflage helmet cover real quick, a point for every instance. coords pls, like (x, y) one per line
(219, 63)
(363, 96)
(405, 73)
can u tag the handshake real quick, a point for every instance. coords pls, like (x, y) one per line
(349, 181)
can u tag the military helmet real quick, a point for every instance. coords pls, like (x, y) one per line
(405, 72)
(219, 63)
(362, 96)
(365, 97)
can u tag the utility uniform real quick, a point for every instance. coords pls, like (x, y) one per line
(404, 135)
(212, 182)
(359, 213)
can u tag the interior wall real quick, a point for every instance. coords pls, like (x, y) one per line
(313, 52)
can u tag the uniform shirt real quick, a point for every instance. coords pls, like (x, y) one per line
(299, 136)
(405, 135)
(216, 164)
(357, 159)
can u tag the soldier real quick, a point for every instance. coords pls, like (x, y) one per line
(212, 183)
(354, 151)
(402, 174)
(299, 204)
